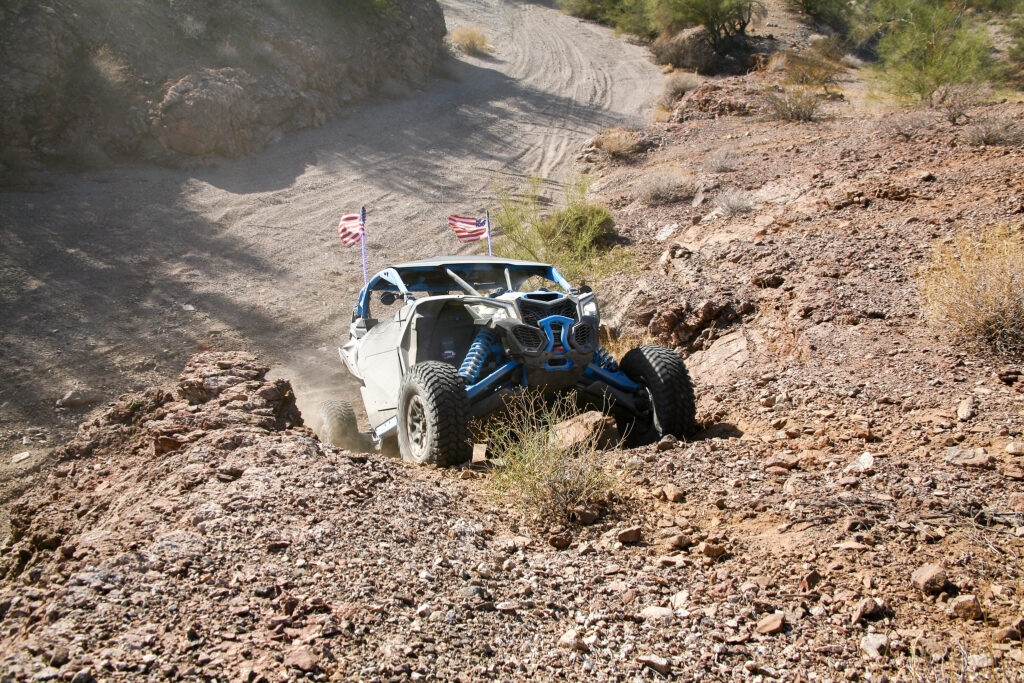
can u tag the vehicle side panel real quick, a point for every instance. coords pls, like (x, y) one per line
(380, 364)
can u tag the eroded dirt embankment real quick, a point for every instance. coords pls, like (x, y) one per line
(87, 82)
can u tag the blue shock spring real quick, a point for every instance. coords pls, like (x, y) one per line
(605, 359)
(477, 354)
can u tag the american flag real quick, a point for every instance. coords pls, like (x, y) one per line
(469, 229)
(352, 226)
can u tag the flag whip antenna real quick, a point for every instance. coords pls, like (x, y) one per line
(362, 243)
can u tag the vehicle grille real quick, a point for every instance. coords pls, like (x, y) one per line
(583, 335)
(529, 337)
(534, 311)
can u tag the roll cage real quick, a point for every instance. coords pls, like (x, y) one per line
(484, 279)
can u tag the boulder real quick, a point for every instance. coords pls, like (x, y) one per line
(581, 431)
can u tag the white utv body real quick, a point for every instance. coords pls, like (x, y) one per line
(460, 334)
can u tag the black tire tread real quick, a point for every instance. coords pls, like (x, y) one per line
(339, 423)
(445, 398)
(664, 374)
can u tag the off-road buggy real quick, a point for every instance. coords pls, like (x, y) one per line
(464, 333)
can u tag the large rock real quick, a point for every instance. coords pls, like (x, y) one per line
(590, 428)
(929, 578)
(722, 361)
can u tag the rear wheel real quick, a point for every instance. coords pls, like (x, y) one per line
(339, 424)
(433, 416)
(668, 391)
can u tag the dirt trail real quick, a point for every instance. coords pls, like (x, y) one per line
(111, 279)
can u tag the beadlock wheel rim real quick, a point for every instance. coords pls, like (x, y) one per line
(416, 418)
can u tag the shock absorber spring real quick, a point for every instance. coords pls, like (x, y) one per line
(476, 355)
(605, 359)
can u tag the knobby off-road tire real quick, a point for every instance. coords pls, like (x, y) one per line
(339, 424)
(673, 404)
(433, 416)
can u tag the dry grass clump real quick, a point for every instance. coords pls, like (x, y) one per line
(619, 344)
(470, 41)
(110, 68)
(618, 143)
(665, 187)
(532, 467)
(955, 101)
(791, 104)
(734, 202)
(676, 86)
(721, 161)
(973, 289)
(909, 125)
(810, 69)
(994, 132)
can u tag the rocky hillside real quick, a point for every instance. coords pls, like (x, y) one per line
(208, 534)
(87, 81)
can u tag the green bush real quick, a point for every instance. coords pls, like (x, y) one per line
(1016, 51)
(576, 239)
(924, 48)
(835, 13)
(724, 20)
(631, 16)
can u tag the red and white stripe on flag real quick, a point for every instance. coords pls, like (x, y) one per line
(351, 227)
(468, 229)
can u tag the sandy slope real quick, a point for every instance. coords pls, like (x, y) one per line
(97, 268)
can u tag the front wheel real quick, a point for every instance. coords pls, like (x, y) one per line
(433, 416)
(668, 390)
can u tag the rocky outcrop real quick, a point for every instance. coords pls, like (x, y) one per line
(85, 82)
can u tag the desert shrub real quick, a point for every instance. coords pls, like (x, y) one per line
(470, 41)
(973, 289)
(955, 101)
(908, 126)
(594, 10)
(725, 20)
(809, 69)
(666, 187)
(110, 68)
(925, 47)
(676, 86)
(734, 202)
(688, 49)
(1015, 53)
(618, 143)
(532, 467)
(721, 161)
(631, 16)
(995, 6)
(790, 104)
(835, 13)
(576, 238)
(994, 132)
